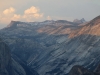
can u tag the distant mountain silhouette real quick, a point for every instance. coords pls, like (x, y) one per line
(79, 21)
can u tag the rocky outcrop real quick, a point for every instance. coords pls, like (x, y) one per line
(79, 70)
(97, 70)
(91, 28)
(8, 66)
(5, 60)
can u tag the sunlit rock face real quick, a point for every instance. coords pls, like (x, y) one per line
(91, 28)
(53, 48)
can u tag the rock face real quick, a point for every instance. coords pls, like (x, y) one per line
(5, 60)
(79, 70)
(54, 47)
(8, 66)
(34, 43)
(92, 28)
(97, 70)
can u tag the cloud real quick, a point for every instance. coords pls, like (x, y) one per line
(7, 15)
(31, 14)
(32, 10)
(16, 17)
(9, 11)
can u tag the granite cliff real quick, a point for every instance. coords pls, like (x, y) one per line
(54, 47)
(8, 66)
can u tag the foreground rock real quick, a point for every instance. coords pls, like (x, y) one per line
(79, 70)
(8, 66)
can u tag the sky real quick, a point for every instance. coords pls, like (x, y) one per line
(40, 10)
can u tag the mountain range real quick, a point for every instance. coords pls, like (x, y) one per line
(54, 47)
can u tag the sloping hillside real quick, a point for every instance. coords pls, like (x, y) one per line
(8, 66)
(47, 48)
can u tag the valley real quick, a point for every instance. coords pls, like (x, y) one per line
(54, 47)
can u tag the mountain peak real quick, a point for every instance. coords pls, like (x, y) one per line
(79, 21)
(91, 28)
(95, 21)
(83, 20)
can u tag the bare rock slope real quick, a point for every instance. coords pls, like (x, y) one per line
(8, 66)
(53, 52)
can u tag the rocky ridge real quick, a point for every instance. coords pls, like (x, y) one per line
(51, 52)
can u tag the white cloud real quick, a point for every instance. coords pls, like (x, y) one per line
(8, 11)
(16, 17)
(32, 10)
(31, 14)
(7, 15)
